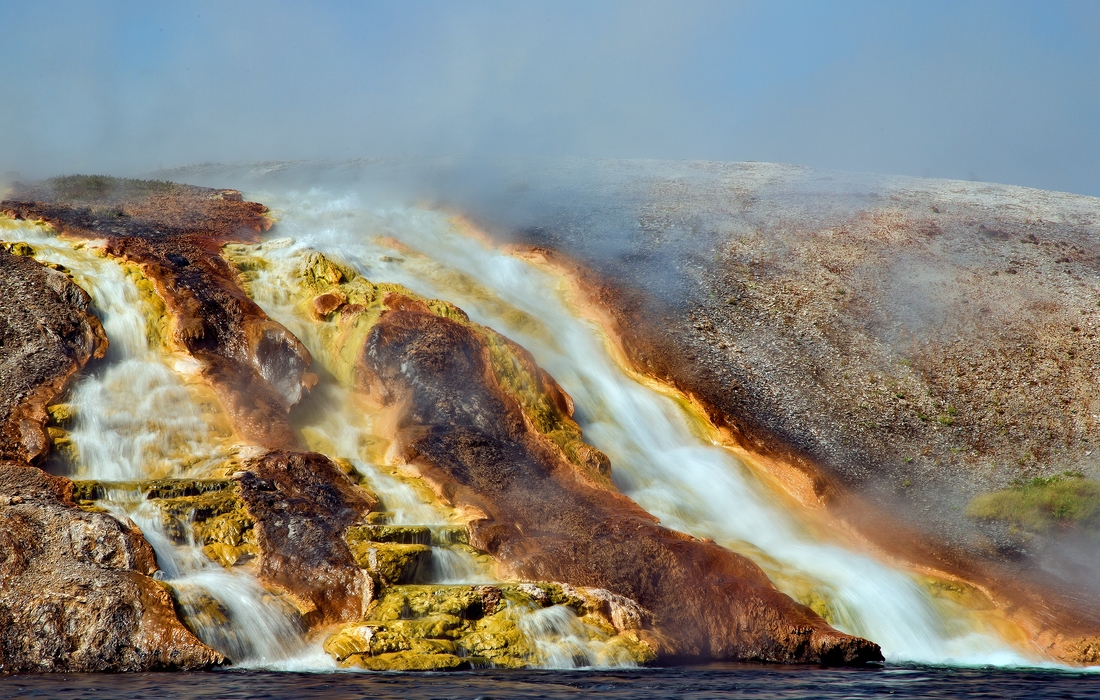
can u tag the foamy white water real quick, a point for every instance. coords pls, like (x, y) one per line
(454, 566)
(229, 609)
(562, 640)
(690, 483)
(136, 419)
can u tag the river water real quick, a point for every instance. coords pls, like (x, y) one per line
(689, 682)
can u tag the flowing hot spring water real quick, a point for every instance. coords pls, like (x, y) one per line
(142, 415)
(661, 453)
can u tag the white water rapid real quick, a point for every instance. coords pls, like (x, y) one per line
(658, 459)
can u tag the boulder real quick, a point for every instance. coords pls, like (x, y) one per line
(47, 334)
(76, 592)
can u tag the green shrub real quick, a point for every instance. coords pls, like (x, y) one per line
(1044, 504)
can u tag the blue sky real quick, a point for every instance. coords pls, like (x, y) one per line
(999, 91)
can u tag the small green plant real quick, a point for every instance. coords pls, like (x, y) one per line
(945, 419)
(103, 188)
(1062, 502)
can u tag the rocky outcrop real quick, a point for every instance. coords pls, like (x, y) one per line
(450, 627)
(894, 348)
(543, 519)
(174, 232)
(302, 504)
(75, 587)
(47, 334)
(470, 412)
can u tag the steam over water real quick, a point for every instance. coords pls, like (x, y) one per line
(141, 415)
(660, 453)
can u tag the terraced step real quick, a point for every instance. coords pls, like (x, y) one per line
(207, 512)
(91, 490)
(432, 627)
(396, 534)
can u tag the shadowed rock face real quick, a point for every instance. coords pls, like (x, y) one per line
(46, 335)
(545, 521)
(303, 505)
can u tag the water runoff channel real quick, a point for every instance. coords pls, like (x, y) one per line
(142, 414)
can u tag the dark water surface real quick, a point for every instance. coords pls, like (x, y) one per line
(715, 681)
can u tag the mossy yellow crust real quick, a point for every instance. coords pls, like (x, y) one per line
(392, 563)
(399, 534)
(407, 661)
(61, 414)
(157, 318)
(18, 248)
(344, 330)
(1068, 501)
(206, 511)
(517, 375)
(477, 624)
(356, 306)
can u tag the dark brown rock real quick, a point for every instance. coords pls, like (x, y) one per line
(75, 591)
(46, 335)
(302, 505)
(544, 521)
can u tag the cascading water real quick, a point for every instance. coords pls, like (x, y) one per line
(137, 419)
(658, 459)
(141, 416)
(562, 641)
(229, 610)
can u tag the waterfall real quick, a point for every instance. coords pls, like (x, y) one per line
(561, 640)
(137, 418)
(659, 457)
